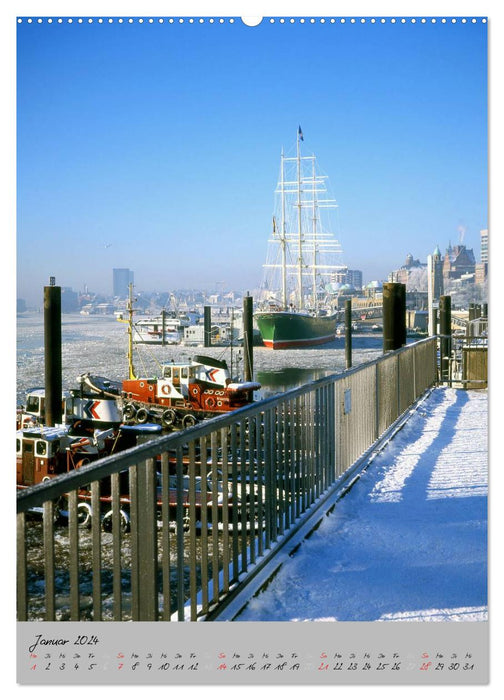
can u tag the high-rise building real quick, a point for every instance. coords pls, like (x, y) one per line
(355, 278)
(122, 278)
(346, 276)
(484, 245)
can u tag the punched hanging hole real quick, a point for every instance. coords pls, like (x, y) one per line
(251, 21)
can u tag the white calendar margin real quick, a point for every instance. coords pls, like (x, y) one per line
(11, 9)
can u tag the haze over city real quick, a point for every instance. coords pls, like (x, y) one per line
(155, 146)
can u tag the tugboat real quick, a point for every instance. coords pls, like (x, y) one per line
(94, 403)
(44, 452)
(90, 428)
(184, 394)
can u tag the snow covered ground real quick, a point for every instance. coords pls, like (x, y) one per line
(409, 541)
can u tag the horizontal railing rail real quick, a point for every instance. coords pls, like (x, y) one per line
(167, 529)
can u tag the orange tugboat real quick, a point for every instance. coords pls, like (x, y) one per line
(184, 394)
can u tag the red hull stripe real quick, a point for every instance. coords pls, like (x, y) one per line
(282, 344)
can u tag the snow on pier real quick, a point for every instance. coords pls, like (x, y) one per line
(409, 541)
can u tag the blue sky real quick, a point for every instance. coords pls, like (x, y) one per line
(162, 142)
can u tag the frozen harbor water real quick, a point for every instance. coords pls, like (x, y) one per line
(409, 541)
(99, 344)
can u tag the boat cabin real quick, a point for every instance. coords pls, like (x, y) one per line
(34, 411)
(76, 406)
(40, 454)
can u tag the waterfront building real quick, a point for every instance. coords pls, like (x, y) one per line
(412, 274)
(481, 273)
(458, 261)
(373, 289)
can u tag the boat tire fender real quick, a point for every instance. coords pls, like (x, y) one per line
(169, 417)
(84, 515)
(124, 521)
(129, 411)
(189, 420)
(142, 415)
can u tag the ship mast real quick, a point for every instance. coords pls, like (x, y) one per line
(282, 238)
(314, 202)
(300, 233)
(129, 307)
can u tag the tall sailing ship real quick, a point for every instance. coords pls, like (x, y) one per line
(303, 257)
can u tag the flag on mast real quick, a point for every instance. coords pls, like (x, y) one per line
(300, 134)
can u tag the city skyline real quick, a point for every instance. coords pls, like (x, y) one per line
(155, 147)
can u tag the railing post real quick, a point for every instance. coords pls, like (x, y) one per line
(135, 563)
(22, 598)
(147, 541)
(398, 380)
(332, 436)
(180, 530)
(414, 373)
(48, 525)
(97, 554)
(268, 460)
(377, 400)
(73, 543)
(348, 333)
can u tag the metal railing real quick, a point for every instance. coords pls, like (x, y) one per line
(169, 529)
(464, 356)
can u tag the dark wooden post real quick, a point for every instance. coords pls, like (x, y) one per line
(445, 333)
(207, 321)
(52, 343)
(248, 345)
(394, 316)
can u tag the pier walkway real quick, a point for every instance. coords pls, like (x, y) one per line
(409, 540)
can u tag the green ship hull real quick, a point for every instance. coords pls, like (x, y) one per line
(286, 329)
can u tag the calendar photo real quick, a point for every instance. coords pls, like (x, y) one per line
(252, 321)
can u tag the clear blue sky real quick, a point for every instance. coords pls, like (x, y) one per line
(162, 142)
